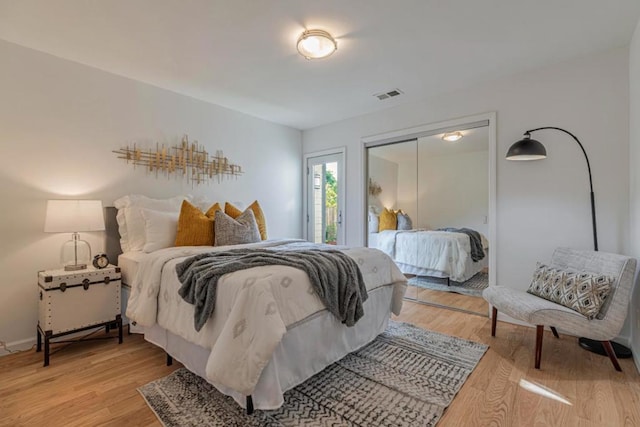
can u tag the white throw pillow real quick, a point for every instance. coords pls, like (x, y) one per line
(122, 229)
(374, 222)
(131, 224)
(160, 229)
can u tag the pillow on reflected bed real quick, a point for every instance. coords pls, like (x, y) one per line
(404, 221)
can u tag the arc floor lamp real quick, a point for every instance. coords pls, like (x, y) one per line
(530, 149)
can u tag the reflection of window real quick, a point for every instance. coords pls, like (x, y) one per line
(317, 181)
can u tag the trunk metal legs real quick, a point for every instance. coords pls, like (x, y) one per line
(249, 405)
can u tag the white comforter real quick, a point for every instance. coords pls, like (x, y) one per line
(254, 307)
(442, 251)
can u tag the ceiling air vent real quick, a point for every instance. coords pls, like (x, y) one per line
(390, 94)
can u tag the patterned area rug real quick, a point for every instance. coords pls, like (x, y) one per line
(473, 286)
(406, 377)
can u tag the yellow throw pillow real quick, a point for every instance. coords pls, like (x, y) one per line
(195, 228)
(388, 220)
(234, 213)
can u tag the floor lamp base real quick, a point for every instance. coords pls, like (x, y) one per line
(594, 346)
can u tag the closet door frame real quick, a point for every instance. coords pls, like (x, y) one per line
(484, 119)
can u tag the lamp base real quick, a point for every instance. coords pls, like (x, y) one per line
(594, 346)
(75, 254)
(75, 267)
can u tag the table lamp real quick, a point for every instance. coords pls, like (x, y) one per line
(73, 216)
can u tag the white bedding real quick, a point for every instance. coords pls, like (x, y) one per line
(129, 263)
(305, 350)
(434, 253)
(254, 308)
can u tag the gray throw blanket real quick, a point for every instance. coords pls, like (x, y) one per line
(335, 277)
(477, 252)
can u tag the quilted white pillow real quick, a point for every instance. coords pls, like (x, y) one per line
(131, 224)
(160, 229)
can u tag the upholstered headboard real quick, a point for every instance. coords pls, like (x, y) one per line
(112, 239)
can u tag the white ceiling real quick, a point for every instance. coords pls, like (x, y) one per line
(241, 54)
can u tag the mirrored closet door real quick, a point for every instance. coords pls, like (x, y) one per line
(428, 208)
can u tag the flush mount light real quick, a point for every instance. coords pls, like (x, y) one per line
(452, 136)
(316, 44)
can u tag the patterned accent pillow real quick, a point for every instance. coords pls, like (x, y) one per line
(229, 231)
(582, 292)
(234, 212)
(404, 222)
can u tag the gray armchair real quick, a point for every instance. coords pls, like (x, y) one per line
(540, 312)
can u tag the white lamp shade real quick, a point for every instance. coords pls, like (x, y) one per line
(73, 216)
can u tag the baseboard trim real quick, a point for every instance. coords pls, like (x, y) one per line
(447, 307)
(15, 346)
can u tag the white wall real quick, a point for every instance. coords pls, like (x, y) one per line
(453, 190)
(408, 188)
(385, 173)
(543, 204)
(634, 158)
(61, 120)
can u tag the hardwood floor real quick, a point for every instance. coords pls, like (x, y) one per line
(94, 383)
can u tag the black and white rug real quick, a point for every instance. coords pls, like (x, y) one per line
(406, 377)
(473, 286)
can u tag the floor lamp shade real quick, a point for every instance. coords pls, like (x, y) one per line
(73, 216)
(527, 149)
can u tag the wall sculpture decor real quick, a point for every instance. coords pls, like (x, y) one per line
(374, 188)
(188, 160)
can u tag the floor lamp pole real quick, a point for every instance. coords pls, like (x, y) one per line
(593, 200)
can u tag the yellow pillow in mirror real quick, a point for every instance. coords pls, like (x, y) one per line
(234, 212)
(388, 220)
(195, 228)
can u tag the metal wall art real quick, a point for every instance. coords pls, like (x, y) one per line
(374, 188)
(187, 160)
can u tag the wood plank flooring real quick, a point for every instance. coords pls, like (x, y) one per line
(94, 383)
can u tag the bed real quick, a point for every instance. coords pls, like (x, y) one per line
(240, 350)
(441, 254)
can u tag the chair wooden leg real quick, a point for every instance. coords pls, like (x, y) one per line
(555, 331)
(612, 355)
(494, 318)
(539, 335)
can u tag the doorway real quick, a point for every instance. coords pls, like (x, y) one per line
(325, 198)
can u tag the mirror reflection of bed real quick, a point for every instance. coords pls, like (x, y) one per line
(428, 203)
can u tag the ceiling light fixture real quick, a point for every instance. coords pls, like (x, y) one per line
(452, 136)
(316, 44)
